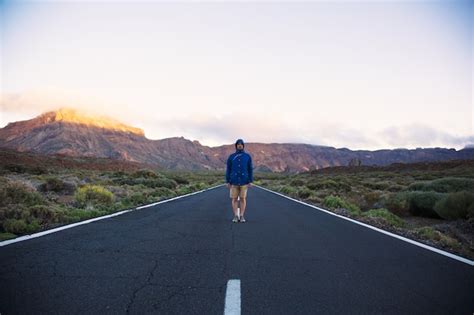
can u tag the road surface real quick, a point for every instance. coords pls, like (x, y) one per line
(177, 258)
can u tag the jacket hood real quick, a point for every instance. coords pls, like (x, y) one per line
(237, 142)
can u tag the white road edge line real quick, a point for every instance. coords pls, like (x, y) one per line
(436, 250)
(232, 297)
(68, 226)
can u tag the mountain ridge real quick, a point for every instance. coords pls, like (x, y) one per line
(73, 133)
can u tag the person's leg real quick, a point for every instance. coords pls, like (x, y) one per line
(235, 205)
(243, 199)
(243, 203)
(233, 195)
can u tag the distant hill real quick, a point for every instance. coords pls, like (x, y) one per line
(76, 134)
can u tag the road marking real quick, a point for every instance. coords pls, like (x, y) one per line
(436, 250)
(232, 297)
(68, 226)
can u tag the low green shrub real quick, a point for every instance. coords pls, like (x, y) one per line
(15, 226)
(430, 233)
(15, 168)
(185, 189)
(144, 173)
(395, 188)
(19, 193)
(163, 192)
(455, 205)
(371, 198)
(388, 217)
(57, 185)
(180, 180)
(337, 202)
(20, 226)
(329, 184)
(6, 236)
(381, 185)
(444, 185)
(46, 214)
(422, 203)
(160, 182)
(397, 203)
(305, 193)
(197, 186)
(288, 190)
(93, 196)
(297, 182)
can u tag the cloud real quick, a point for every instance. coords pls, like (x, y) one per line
(35, 102)
(422, 135)
(253, 123)
(215, 130)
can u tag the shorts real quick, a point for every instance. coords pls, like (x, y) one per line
(236, 190)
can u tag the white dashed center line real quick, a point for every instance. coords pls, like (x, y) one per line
(232, 297)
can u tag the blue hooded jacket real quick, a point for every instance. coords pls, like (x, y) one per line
(239, 167)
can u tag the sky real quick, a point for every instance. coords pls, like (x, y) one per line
(355, 74)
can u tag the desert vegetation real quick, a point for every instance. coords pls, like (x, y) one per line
(38, 193)
(430, 202)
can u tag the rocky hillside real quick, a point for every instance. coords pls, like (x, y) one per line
(72, 133)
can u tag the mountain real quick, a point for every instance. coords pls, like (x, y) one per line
(77, 134)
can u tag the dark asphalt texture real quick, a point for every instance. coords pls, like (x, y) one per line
(176, 258)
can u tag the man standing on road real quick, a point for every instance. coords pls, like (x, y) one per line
(239, 176)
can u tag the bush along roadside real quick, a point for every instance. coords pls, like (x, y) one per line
(438, 212)
(31, 203)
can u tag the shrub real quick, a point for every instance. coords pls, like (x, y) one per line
(422, 203)
(46, 214)
(139, 198)
(19, 226)
(183, 190)
(337, 202)
(395, 188)
(288, 190)
(455, 205)
(19, 193)
(432, 234)
(397, 203)
(13, 212)
(198, 186)
(163, 192)
(371, 198)
(444, 185)
(52, 184)
(93, 195)
(179, 179)
(6, 236)
(331, 184)
(15, 226)
(159, 182)
(297, 182)
(305, 193)
(388, 217)
(15, 168)
(57, 185)
(144, 174)
(378, 185)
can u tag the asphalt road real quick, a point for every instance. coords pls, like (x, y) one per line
(176, 258)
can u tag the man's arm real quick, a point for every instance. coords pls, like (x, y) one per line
(250, 170)
(228, 169)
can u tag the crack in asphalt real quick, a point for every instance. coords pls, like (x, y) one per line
(147, 282)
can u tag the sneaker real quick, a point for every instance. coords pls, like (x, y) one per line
(235, 219)
(242, 219)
